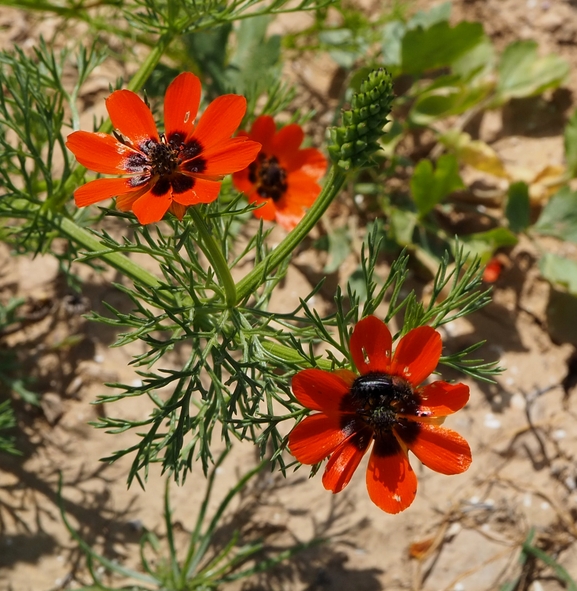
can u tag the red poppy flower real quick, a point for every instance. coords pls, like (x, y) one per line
(387, 404)
(283, 178)
(167, 171)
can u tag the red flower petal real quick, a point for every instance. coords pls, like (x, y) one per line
(203, 191)
(320, 390)
(177, 209)
(301, 191)
(438, 448)
(440, 399)
(417, 354)
(99, 151)
(125, 202)
(391, 482)
(131, 116)
(242, 182)
(220, 120)
(263, 131)
(266, 211)
(370, 345)
(151, 208)
(286, 143)
(229, 156)
(317, 436)
(315, 164)
(101, 189)
(345, 460)
(181, 103)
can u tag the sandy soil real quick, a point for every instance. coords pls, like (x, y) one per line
(462, 533)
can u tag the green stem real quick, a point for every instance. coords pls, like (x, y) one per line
(81, 237)
(289, 355)
(215, 256)
(333, 184)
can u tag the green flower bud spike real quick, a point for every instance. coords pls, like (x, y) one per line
(353, 144)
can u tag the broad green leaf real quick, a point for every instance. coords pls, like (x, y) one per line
(518, 208)
(402, 224)
(339, 249)
(207, 48)
(430, 187)
(484, 244)
(559, 216)
(392, 36)
(559, 271)
(431, 17)
(562, 306)
(571, 144)
(479, 60)
(439, 46)
(475, 153)
(522, 73)
(439, 101)
(253, 66)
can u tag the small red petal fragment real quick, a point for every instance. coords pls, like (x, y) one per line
(492, 270)
(151, 208)
(417, 354)
(345, 460)
(131, 116)
(320, 390)
(440, 399)
(370, 345)
(441, 449)
(101, 189)
(316, 437)
(181, 103)
(220, 120)
(99, 151)
(423, 548)
(391, 482)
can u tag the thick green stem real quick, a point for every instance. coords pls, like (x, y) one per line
(333, 184)
(81, 237)
(216, 258)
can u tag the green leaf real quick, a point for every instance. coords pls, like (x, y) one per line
(339, 249)
(430, 187)
(402, 224)
(484, 244)
(522, 73)
(253, 67)
(448, 95)
(438, 46)
(559, 271)
(518, 208)
(435, 15)
(570, 137)
(477, 61)
(559, 216)
(393, 33)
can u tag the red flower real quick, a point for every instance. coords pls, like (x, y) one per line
(385, 404)
(283, 178)
(169, 171)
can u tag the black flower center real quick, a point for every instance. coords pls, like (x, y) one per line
(379, 398)
(162, 157)
(269, 176)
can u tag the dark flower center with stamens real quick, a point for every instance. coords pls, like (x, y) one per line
(379, 398)
(270, 177)
(166, 161)
(162, 157)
